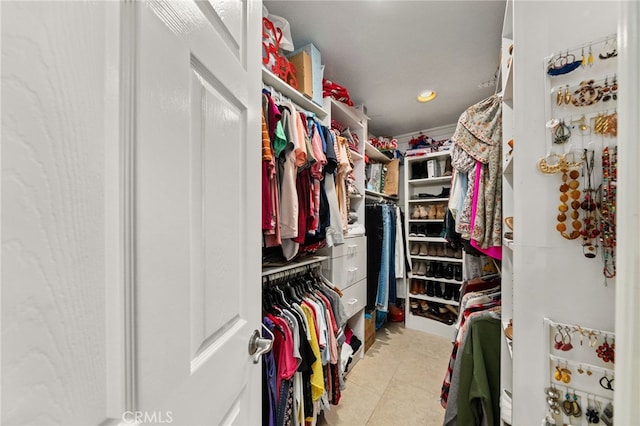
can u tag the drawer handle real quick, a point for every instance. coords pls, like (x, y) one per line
(352, 301)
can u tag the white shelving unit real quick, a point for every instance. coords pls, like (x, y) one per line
(346, 264)
(423, 288)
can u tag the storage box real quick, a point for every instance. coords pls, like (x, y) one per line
(369, 329)
(433, 168)
(302, 62)
(316, 71)
(392, 178)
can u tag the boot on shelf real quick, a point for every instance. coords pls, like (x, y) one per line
(440, 211)
(423, 249)
(440, 251)
(431, 288)
(416, 212)
(457, 272)
(433, 250)
(438, 272)
(430, 269)
(423, 213)
(448, 271)
(415, 249)
(433, 211)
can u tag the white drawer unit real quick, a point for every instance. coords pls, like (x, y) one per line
(354, 298)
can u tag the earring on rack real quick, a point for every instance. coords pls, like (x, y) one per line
(558, 373)
(580, 370)
(559, 96)
(558, 338)
(576, 410)
(590, 60)
(567, 95)
(566, 373)
(583, 61)
(566, 345)
(605, 90)
(614, 88)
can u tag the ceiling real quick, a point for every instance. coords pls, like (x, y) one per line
(386, 52)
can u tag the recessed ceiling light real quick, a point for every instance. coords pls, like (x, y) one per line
(427, 95)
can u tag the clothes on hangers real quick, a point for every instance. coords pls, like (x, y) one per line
(302, 373)
(304, 170)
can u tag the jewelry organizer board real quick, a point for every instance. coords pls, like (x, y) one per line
(551, 276)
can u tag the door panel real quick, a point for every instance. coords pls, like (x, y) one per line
(197, 210)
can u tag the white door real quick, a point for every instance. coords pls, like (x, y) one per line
(130, 212)
(197, 244)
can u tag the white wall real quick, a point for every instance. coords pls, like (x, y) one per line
(552, 278)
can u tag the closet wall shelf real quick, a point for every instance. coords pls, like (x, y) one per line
(356, 155)
(434, 180)
(430, 155)
(291, 266)
(428, 239)
(380, 196)
(296, 97)
(343, 112)
(429, 200)
(507, 243)
(425, 221)
(440, 280)
(375, 155)
(438, 259)
(434, 299)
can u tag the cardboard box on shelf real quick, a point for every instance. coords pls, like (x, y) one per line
(316, 70)
(302, 62)
(369, 329)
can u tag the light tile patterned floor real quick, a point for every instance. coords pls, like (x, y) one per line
(397, 383)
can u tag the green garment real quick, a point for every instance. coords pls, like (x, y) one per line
(479, 392)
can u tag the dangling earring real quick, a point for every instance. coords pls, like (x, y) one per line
(614, 88)
(567, 95)
(583, 61)
(559, 97)
(590, 57)
(605, 90)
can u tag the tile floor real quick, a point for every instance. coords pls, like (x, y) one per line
(397, 383)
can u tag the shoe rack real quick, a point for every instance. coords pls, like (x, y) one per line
(433, 290)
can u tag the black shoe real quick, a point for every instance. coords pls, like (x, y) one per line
(456, 293)
(444, 193)
(439, 290)
(438, 272)
(430, 288)
(457, 273)
(413, 231)
(448, 292)
(448, 271)
(425, 170)
(421, 231)
(430, 269)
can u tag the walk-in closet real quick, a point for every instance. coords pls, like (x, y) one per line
(320, 213)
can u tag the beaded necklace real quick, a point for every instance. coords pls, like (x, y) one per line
(569, 190)
(590, 230)
(608, 210)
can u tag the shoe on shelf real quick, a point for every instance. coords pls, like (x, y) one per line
(440, 251)
(448, 292)
(456, 293)
(448, 271)
(413, 230)
(423, 251)
(457, 273)
(430, 269)
(438, 273)
(421, 231)
(416, 212)
(448, 170)
(420, 287)
(433, 250)
(422, 268)
(415, 248)
(440, 211)
(433, 211)
(430, 288)
(439, 290)
(422, 211)
(413, 289)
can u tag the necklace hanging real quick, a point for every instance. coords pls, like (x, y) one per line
(590, 230)
(608, 210)
(569, 190)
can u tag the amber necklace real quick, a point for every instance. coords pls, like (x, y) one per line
(569, 190)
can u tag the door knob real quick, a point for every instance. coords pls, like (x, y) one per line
(259, 345)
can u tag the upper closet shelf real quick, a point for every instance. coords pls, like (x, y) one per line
(343, 113)
(379, 196)
(296, 97)
(375, 155)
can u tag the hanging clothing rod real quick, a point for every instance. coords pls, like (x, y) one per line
(293, 269)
